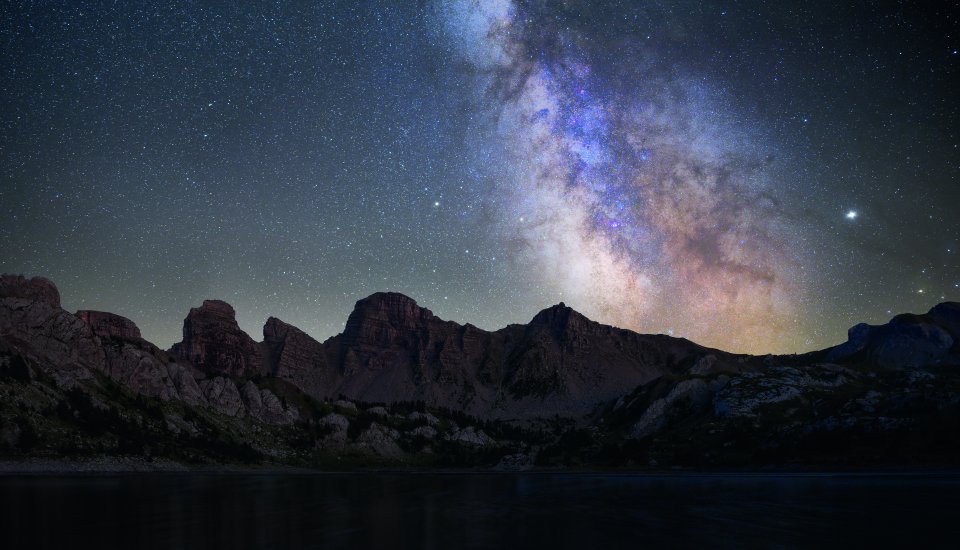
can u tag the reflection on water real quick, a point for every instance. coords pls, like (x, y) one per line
(447, 511)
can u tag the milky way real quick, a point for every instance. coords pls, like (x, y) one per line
(753, 176)
(639, 205)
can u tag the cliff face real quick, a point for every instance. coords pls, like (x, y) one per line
(393, 350)
(213, 342)
(109, 324)
(31, 318)
(294, 356)
(560, 364)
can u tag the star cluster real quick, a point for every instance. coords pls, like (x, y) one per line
(750, 176)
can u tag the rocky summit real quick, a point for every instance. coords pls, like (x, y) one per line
(213, 341)
(401, 386)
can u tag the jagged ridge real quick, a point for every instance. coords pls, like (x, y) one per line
(638, 397)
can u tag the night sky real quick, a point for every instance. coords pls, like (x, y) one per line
(754, 176)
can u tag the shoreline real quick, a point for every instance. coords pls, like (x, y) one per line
(108, 465)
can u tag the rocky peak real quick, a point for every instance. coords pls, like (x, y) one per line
(276, 331)
(32, 320)
(37, 289)
(216, 308)
(109, 324)
(561, 319)
(211, 314)
(382, 317)
(213, 341)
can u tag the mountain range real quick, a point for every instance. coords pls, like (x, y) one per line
(399, 386)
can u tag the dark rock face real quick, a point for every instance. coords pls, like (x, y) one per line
(562, 349)
(393, 350)
(213, 342)
(38, 289)
(32, 321)
(561, 363)
(906, 341)
(67, 348)
(263, 405)
(109, 324)
(385, 318)
(294, 356)
(147, 370)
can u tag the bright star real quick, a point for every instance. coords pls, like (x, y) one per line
(851, 215)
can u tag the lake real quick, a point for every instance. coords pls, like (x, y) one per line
(448, 511)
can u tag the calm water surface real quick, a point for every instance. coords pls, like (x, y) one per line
(449, 511)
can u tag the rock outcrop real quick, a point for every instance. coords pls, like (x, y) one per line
(31, 319)
(471, 436)
(37, 289)
(335, 426)
(393, 350)
(149, 371)
(265, 406)
(907, 341)
(138, 364)
(294, 356)
(379, 440)
(222, 395)
(109, 324)
(693, 393)
(213, 341)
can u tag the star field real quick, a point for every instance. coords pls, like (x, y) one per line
(752, 176)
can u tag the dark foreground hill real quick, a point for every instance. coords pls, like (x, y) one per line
(401, 387)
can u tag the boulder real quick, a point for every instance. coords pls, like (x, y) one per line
(380, 441)
(470, 436)
(337, 424)
(264, 405)
(222, 395)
